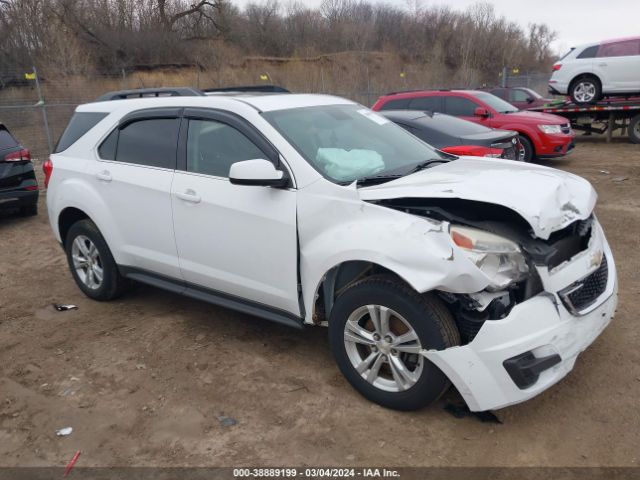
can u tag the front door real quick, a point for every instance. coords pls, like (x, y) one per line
(235, 239)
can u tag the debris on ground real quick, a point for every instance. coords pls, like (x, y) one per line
(462, 411)
(619, 179)
(63, 307)
(606, 172)
(63, 432)
(71, 463)
(227, 421)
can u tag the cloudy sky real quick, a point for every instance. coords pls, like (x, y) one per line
(575, 21)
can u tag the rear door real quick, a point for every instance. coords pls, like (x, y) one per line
(133, 177)
(233, 239)
(618, 65)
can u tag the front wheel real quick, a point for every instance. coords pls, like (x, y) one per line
(377, 329)
(526, 153)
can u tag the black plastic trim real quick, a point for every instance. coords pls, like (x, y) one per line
(213, 296)
(250, 88)
(525, 369)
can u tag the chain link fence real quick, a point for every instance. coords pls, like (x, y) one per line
(36, 108)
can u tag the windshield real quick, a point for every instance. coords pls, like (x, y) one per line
(496, 103)
(349, 142)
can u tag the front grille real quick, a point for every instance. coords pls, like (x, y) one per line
(566, 128)
(585, 292)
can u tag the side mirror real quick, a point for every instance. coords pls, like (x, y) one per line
(481, 112)
(530, 99)
(258, 173)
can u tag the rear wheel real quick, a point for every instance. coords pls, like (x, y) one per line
(377, 329)
(91, 263)
(527, 152)
(585, 89)
(634, 129)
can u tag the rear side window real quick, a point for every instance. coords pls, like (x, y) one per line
(6, 140)
(400, 104)
(80, 123)
(427, 104)
(589, 52)
(626, 48)
(459, 106)
(151, 142)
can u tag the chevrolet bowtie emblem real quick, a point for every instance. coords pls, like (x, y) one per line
(596, 259)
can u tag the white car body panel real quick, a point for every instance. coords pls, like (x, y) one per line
(263, 238)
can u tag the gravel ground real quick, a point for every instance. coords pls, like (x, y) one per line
(157, 379)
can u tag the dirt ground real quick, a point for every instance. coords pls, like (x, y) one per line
(158, 379)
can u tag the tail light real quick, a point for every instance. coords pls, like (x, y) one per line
(20, 156)
(556, 67)
(47, 168)
(474, 151)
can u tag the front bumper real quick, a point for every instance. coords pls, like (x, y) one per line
(541, 325)
(555, 145)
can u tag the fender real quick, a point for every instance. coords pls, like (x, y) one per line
(386, 237)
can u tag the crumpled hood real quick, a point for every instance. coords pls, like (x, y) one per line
(548, 199)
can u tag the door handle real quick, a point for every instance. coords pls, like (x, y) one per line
(104, 175)
(189, 196)
(602, 64)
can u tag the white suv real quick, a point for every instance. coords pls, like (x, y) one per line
(589, 72)
(312, 210)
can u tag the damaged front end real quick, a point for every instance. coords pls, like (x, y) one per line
(502, 244)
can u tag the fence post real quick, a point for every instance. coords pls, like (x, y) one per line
(505, 74)
(44, 110)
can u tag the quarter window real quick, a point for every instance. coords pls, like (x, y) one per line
(459, 106)
(150, 142)
(589, 52)
(212, 147)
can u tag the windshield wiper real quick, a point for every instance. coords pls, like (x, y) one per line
(377, 179)
(426, 164)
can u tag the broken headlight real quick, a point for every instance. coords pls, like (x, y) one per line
(497, 257)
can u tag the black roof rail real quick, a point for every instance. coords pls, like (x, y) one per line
(249, 88)
(151, 92)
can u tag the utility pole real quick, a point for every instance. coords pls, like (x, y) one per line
(44, 110)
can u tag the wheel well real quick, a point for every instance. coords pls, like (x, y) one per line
(583, 75)
(533, 145)
(337, 279)
(67, 218)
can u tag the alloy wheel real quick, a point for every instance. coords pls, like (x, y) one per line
(383, 348)
(87, 262)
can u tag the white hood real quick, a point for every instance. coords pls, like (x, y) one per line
(547, 198)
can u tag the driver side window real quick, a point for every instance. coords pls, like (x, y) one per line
(212, 147)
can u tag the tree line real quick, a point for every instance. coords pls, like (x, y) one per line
(91, 36)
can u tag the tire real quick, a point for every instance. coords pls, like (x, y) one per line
(419, 316)
(112, 284)
(527, 146)
(585, 89)
(29, 210)
(634, 129)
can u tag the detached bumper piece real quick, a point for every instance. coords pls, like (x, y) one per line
(525, 369)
